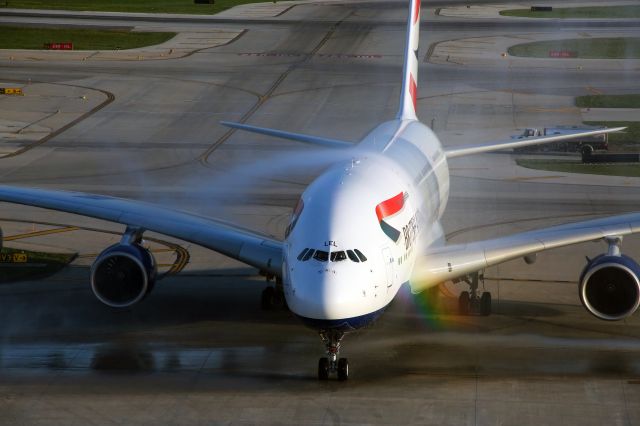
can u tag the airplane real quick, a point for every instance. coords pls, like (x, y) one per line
(365, 227)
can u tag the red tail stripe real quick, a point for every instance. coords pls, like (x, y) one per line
(416, 12)
(390, 207)
(413, 90)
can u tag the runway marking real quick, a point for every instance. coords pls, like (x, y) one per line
(594, 91)
(318, 55)
(182, 254)
(110, 98)
(40, 233)
(542, 109)
(530, 178)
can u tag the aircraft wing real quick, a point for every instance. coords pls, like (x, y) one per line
(298, 137)
(459, 151)
(439, 264)
(260, 251)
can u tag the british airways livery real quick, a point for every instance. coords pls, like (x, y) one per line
(360, 231)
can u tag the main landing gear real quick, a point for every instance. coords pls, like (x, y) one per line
(272, 298)
(469, 302)
(331, 363)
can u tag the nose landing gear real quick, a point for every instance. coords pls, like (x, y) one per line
(331, 363)
(469, 302)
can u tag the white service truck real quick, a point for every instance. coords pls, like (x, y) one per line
(588, 143)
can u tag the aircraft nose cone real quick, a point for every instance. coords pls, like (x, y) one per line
(324, 295)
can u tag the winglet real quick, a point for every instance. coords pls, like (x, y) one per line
(315, 140)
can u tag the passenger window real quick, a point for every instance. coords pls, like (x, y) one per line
(360, 255)
(353, 256)
(302, 253)
(338, 256)
(308, 255)
(322, 256)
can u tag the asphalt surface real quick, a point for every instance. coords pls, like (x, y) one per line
(199, 349)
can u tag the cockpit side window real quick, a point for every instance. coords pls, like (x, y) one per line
(302, 253)
(321, 255)
(338, 256)
(307, 255)
(360, 255)
(352, 256)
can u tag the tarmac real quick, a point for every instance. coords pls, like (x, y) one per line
(199, 350)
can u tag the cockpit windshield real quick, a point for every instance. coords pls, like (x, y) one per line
(354, 255)
(337, 256)
(321, 255)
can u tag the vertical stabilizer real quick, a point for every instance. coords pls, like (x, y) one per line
(409, 95)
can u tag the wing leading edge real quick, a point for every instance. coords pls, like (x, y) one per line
(439, 264)
(260, 251)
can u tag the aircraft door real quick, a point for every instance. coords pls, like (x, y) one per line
(387, 257)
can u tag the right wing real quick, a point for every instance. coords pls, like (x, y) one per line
(260, 251)
(439, 264)
(459, 151)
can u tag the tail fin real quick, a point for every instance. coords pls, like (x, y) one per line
(409, 96)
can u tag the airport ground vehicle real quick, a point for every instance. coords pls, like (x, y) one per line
(582, 144)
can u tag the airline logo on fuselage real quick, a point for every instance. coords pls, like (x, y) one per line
(386, 210)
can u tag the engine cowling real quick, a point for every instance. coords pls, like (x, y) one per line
(610, 287)
(123, 275)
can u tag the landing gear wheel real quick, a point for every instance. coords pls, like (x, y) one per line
(464, 303)
(323, 369)
(485, 304)
(343, 369)
(267, 298)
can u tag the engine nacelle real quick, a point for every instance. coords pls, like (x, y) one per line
(123, 275)
(610, 287)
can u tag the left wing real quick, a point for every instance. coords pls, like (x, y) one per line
(298, 137)
(459, 151)
(439, 264)
(260, 251)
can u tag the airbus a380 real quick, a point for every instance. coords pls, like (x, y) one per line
(361, 230)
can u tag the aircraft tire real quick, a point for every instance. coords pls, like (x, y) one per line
(343, 369)
(323, 368)
(464, 303)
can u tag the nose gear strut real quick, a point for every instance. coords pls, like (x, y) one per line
(332, 363)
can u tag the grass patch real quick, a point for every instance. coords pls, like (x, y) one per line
(83, 39)
(608, 101)
(576, 166)
(578, 12)
(590, 48)
(22, 265)
(142, 6)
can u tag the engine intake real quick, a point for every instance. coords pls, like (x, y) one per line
(610, 287)
(123, 275)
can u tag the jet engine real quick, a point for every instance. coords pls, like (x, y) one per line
(610, 287)
(123, 275)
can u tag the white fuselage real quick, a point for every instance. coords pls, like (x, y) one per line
(382, 205)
